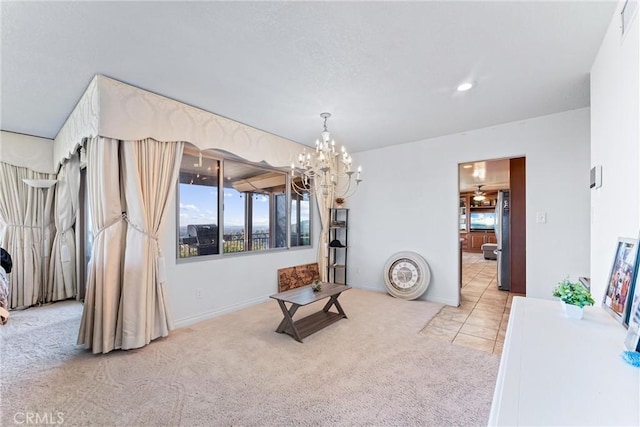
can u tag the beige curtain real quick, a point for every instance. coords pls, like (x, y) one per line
(125, 305)
(324, 202)
(21, 233)
(102, 299)
(149, 173)
(62, 265)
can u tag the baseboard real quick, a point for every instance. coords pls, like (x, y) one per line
(187, 321)
(181, 323)
(369, 288)
(445, 301)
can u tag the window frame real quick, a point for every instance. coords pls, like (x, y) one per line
(210, 155)
(222, 159)
(298, 199)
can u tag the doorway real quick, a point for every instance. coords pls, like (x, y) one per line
(492, 226)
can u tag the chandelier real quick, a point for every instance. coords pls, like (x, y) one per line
(325, 168)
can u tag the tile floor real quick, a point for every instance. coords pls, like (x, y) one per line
(481, 320)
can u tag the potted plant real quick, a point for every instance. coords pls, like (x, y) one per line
(574, 297)
(339, 202)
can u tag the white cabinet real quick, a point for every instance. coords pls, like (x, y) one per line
(558, 371)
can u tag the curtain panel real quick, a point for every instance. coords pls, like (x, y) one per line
(149, 173)
(21, 231)
(324, 202)
(129, 185)
(62, 283)
(104, 280)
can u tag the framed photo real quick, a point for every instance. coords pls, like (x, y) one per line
(619, 290)
(632, 340)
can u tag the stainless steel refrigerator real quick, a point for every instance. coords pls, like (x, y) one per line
(502, 225)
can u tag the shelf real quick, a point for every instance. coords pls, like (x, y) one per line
(467, 207)
(338, 232)
(314, 322)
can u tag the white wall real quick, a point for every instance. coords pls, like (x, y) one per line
(615, 136)
(228, 283)
(409, 201)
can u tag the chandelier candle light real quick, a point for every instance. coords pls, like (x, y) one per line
(326, 169)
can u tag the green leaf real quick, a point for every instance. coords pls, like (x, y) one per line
(573, 293)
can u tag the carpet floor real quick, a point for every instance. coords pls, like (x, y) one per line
(375, 368)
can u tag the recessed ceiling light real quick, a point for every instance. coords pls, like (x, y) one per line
(465, 86)
(467, 166)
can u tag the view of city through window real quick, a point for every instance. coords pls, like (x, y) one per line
(300, 216)
(252, 220)
(236, 238)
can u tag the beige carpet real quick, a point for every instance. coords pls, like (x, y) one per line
(375, 368)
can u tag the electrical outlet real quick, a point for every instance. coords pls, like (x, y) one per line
(198, 293)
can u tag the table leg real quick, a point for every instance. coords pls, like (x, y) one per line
(334, 301)
(287, 321)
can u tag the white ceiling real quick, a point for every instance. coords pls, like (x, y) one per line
(387, 71)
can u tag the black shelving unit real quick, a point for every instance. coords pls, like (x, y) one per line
(338, 245)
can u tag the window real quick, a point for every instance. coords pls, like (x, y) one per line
(252, 207)
(251, 195)
(300, 219)
(198, 205)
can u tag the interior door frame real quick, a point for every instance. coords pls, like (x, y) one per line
(517, 258)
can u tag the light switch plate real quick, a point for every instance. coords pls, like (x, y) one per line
(541, 217)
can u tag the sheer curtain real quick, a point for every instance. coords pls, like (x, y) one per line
(20, 231)
(104, 281)
(149, 173)
(62, 265)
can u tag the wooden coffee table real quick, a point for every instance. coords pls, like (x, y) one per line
(302, 296)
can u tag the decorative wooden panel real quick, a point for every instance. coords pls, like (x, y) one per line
(300, 275)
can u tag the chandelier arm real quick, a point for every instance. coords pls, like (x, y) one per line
(353, 190)
(299, 193)
(300, 190)
(346, 191)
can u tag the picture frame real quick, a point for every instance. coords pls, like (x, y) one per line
(632, 339)
(620, 286)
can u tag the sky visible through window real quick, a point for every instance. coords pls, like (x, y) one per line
(198, 205)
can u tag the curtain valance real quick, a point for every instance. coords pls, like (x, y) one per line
(113, 109)
(27, 151)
